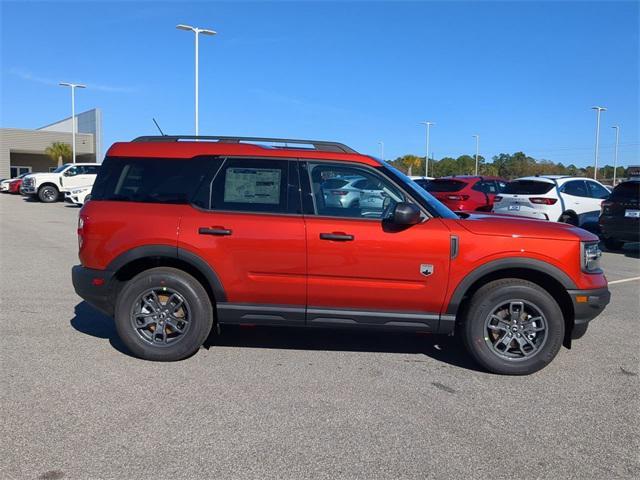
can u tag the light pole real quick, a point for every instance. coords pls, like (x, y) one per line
(73, 87)
(598, 110)
(197, 31)
(426, 158)
(477, 137)
(615, 155)
(381, 143)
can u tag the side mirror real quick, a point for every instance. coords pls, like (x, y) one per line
(406, 214)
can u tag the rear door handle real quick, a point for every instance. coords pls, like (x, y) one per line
(338, 237)
(214, 231)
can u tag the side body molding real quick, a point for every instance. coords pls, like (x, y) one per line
(506, 264)
(172, 252)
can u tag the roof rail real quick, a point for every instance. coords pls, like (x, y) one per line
(317, 144)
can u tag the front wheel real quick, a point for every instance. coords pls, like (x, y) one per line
(163, 314)
(513, 327)
(48, 194)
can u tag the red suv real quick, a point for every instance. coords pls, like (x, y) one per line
(470, 193)
(181, 236)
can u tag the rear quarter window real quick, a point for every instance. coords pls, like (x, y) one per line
(527, 187)
(150, 180)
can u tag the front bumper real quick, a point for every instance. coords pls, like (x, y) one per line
(29, 190)
(588, 304)
(95, 287)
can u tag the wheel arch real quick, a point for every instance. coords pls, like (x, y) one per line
(137, 260)
(545, 275)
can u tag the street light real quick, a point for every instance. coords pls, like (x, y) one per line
(426, 160)
(197, 31)
(381, 143)
(477, 137)
(615, 155)
(598, 110)
(73, 87)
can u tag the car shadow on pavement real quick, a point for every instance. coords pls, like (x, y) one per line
(442, 348)
(92, 322)
(438, 347)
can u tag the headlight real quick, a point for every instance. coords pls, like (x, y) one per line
(590, 257)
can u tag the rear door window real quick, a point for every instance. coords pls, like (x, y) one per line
(528, 187)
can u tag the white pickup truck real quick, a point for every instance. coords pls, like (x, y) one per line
(48, 187)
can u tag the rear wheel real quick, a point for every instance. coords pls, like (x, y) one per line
(48, 194)
(513, 327)
(570, 218)
(163, 314)
(613, 244)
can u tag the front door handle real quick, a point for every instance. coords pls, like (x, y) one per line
(338, 237)
(219, 231)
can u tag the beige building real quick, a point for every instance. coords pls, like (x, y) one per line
(24, 150)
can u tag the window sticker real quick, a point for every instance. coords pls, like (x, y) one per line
(252, 185)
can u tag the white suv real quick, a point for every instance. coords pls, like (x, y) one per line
(558, 198)
(48, 186)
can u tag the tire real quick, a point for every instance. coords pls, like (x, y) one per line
(48, 194)
(482, 334)
(613, 244)
(170, 285)
(570, 218)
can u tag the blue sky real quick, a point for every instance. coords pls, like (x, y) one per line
(523, 75)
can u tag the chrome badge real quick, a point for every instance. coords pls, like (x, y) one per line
(426, 269)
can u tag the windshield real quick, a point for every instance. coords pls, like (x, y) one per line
(61, 168)
(445, 185)
(527, 187)
(428, 200)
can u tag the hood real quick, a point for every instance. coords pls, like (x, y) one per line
(508, 226)
(42, 175)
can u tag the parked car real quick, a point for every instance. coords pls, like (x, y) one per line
(422, 181)
(558, 198)
(466, 192)
(47, 187)
(77, 196)
(620, 216)
(355, 192)
(184, 236)
(4, 185)
(12, 185)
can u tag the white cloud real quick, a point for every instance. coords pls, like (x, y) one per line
(26, 75)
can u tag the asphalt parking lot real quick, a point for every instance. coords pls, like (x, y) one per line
(272, 403)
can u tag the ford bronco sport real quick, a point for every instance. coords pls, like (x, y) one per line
(183, 234)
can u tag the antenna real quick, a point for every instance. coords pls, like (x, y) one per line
(158, 127)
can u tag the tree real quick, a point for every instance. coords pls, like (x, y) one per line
(58, 152)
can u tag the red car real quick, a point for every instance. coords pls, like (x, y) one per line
(15, 184)
(466, 192)
(182, 236)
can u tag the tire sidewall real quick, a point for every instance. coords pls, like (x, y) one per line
(485, 302)
(199, 308)
(43, 198)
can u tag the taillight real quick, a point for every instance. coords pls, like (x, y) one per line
(543, 201)
(339, 192)
(604, 206)
(458, 197)
(497, 198)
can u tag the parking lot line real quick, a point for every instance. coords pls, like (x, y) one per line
(624, 280)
